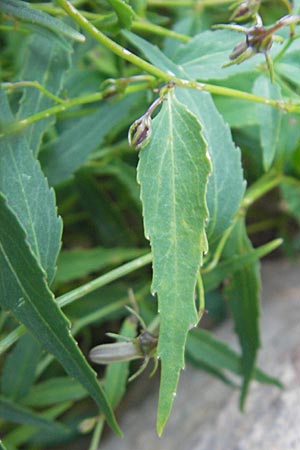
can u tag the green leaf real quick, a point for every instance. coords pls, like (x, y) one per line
(154, 54)
(203, 347)
(243, 293)
(291, 196)
(227, 268)
(125, 173)
(22, 11)
(124, 12)
(289, 66)
(46, 63)
(73, 264)
(226, 185)
(2, 446)
(116, 374)
(203, 56)
(173, 174)
(72, 148)
(269, 118)
(22, 434)
(21, 363)
(25, 293)
(14, 413)
(28, 194)
(54, 391)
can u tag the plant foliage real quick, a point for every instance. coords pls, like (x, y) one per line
(210, 99)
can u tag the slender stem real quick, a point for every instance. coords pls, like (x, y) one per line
(160, 74)
(142, 25)
(11, 338)
(201, 296)
(71, 296)
(94, 444)
(110, 44)
(197, 3)
(217, 254)
(107, 278)
(13, 28)
(284, 48)
(67, 104)
(261, 187)
(35, 84)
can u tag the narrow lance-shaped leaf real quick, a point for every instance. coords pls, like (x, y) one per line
(243, 293)
(22, 11)
(15, 413)
(173, 173)
(22, 362)
(46, 62)
(269, 119)
(28, 194)
(2, 446)
(27, 296)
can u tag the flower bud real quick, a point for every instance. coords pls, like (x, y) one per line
(246, 11)
(140, 132)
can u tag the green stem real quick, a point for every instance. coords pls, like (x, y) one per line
(160, 74)
(35, 84)
(110, 44)
(284, 48)
(11, 338)
(94, 445)
(201, 296)
(260, 188)
(101, 281)
(142, 25)
(75, 294)
(67, 104)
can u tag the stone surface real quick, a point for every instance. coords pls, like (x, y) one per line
(205, 414)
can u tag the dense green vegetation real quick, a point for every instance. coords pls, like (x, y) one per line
(170, 121)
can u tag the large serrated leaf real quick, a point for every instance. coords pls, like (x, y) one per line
(25, 293)
(226, 185)
(243, 293)
(22, 11)
(173, 173)
(45, 62)
(27, 192)
(269, 118)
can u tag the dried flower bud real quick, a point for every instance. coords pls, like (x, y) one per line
(140, 132)
(246, 11)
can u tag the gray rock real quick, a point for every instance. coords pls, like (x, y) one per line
(205, 414)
